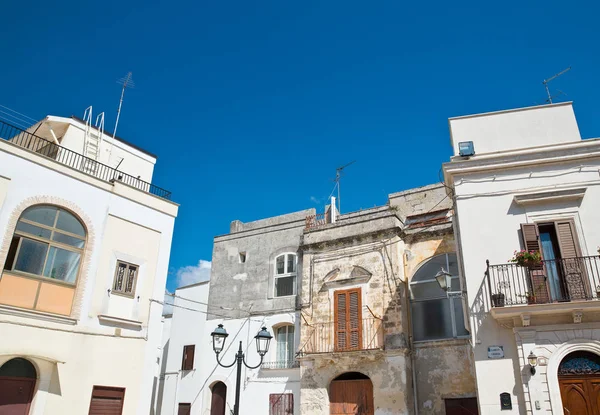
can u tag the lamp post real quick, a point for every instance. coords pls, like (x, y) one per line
(263, 338)
(532, 360)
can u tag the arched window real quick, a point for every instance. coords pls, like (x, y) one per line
(18, 368)
(48, 242)
(285, 275)
(435, 315)
(285, 345)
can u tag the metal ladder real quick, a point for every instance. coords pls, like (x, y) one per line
(92, 141)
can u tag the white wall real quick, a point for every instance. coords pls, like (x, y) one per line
(111, 354)
(190, 327)
(515, 129)
(488, 221)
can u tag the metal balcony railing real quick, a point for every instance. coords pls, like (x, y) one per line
(281, 364)
(552, 281)
(75, 160)
(366, 334)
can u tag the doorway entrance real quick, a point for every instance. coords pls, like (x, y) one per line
(579, 380)
(351, 394)
(17, 384)
(218, 399)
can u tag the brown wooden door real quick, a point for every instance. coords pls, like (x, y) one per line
(218, 399)
(462, 406)
(15, 395)
(348, 320)
(351, 397)
(580, 395)
(107, 400)
(184, 409)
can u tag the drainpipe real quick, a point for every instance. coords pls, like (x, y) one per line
(410, 339)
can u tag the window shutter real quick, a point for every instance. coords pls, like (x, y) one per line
(567, 239)
(572, 268)
(347, 320)
(184, 409)
(187, 361)
(531, 242)
(281, 404)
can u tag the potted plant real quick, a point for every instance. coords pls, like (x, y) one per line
(530, 298)
(498, 299)
(597, 291)
(529, 259)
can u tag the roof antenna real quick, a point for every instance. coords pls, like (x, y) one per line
(546, 81)
(338, 176)
(127, 82)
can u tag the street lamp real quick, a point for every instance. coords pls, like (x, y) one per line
(263, 339)
(532, 360)
(444, 279)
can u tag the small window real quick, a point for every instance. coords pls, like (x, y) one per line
(107, 399)
(125, 278)
(281, 404)
(187, 361)
(242, 257)
(285, 275)
(184, 409)
(285, 345)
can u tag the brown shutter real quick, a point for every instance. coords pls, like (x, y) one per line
(218, 399)
(281, 404)
(184, 409)
(537, 283)
(572, 267)
(107, 401)
(187, 361)
(347, 320)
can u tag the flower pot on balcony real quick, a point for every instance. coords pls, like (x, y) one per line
(528, 263)
(530, 299)
(498, 300)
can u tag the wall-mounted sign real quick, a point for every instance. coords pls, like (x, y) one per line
(505, 401)
(495, 352)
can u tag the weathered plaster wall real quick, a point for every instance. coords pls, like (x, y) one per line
(236, 286)
(389, 372)
(444, 369)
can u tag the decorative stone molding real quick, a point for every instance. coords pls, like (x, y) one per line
(84, 271)
(526, 320)
(577, 316)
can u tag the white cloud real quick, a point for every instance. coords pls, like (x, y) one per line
(315, 200)
(192, 274)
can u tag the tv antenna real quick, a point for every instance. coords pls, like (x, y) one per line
(546, 81)
(338, 176)
(127, 82)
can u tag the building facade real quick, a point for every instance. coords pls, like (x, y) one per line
(378, 335)
(84, 252)
(530, 184)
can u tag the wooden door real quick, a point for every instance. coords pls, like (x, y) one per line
(184, 409)
(348, 320)
(15, 395)
(462, 406)
(107, 400)
(580, 396)
(218, 399)
(351, 397)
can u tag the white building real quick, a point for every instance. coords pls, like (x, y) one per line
(254, 282)
(532, 183)
(84, 252)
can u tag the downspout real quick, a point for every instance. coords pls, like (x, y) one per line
(410, 339)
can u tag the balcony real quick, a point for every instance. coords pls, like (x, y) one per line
(554, 286)
(340, 337)
(316, 221)
(283, 364)
(75, 160)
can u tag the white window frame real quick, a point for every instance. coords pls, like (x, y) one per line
(285, 273)
(277, 342)
(450, 302)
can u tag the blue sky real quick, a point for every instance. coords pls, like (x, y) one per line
(251, 106)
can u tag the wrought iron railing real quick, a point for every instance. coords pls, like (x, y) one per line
(75, 160)
(314, 221)
(557, 280)
(281, 364)
(366, 334)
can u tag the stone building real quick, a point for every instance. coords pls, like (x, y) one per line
(378, 334)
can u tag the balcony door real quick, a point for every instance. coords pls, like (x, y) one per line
(562, 275)
(348, 320)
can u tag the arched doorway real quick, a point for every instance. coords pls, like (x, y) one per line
(579, 380)
(17, 383)
(351, 393)
(218, 399)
